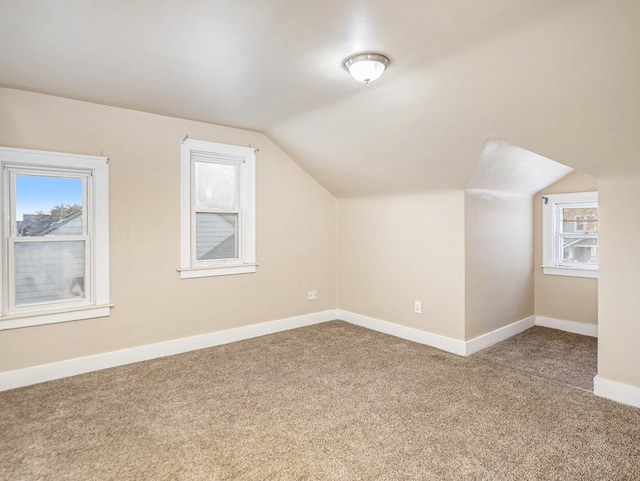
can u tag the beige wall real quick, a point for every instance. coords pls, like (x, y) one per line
(562, 297)
(498, 253)
(619, 279)
(296, 231)
(392, 250)
(396, 250)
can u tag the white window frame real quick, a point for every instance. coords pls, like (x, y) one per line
(244, 159)
(552, 205)
(95, 173)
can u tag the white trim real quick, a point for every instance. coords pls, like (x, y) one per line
(570, 271)
(448, 344)
(568, 326)
(616, 391)
(551, 264)
(190, 273)
(502, 333)
(72, 367)
(94, 170)
(39, 319)
(245, 159)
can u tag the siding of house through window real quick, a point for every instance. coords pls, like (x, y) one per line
(578, 231)
(216, 236)
(49, 271)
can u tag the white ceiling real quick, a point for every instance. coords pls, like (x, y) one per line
(545, 75)
(505, 170)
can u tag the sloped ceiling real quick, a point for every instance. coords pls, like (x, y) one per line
(556, 77)
(506, 170)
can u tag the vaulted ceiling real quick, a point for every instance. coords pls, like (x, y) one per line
(557, 77)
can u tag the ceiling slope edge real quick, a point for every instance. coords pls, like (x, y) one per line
(505, 170)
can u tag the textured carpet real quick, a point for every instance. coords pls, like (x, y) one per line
(556, 355)
(326, 402)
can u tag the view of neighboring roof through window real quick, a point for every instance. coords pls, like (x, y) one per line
(44, 204)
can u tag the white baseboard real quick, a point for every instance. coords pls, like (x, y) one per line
(568, 326)
(72, 367)
(416, 335)
(455, 346)
(489, 339)
(616, 391)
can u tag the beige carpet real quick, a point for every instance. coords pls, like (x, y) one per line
(326, 402)
(555, 355)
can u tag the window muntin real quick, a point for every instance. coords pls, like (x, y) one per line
(218, 209)
(55, 237)
(570, 234)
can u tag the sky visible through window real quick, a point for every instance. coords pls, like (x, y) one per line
(39, 193)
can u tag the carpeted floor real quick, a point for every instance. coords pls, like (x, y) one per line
(325, 402)
(555, 355)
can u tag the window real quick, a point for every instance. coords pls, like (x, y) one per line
(55, 237)
(570, 234)
(218, 209)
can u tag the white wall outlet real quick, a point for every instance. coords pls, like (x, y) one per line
(418, 307)
(312, 295)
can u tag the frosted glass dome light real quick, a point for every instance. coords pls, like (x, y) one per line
(366, 67)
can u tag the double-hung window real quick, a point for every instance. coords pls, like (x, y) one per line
(570, 234)
(55, 237)
(218, 209)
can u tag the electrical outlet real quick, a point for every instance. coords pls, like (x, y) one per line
(312, 295)
(418, 307)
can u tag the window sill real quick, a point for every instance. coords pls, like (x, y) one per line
(570, 271)
(16, 321)
(222, 270)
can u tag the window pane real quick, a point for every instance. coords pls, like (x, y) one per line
(49, 271)
(49, 206)
(577, 250)
(580, 219)
(216, 236)
(215, 186)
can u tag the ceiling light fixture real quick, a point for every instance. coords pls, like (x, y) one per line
(366, 67)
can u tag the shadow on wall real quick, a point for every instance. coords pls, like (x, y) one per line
(499, 278)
